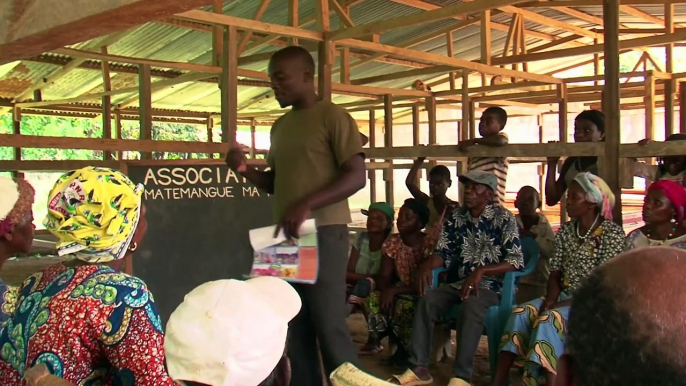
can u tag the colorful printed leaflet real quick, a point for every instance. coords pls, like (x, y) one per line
(296, 261)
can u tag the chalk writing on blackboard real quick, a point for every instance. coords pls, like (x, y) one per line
(179, 183)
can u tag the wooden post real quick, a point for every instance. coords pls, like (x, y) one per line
(345, 65)
(217, 43)
(682, 107)
(253, 144)
(465, 104)
(485, 41)
(431, 113)
(117, 125)
(416, 127)
(564, 134)
(670, 84)
(229, 86)
(106, 104)
(145, 105)
(451, 47)
(472, 119)
(541, 167)
(596, 62)
(430, 106)
(372, 145)
(293, 19)
(210, 134)
(326, 53)
(612, 103)
(649, 101)
(388, 143)
(16, 129)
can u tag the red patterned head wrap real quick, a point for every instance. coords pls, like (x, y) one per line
(16, 199)
(675, 193)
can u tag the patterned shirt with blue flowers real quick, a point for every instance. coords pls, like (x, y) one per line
(467, 243)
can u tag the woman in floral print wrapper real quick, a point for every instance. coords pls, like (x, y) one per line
(16, 232)
(535, 332)
(88, 322)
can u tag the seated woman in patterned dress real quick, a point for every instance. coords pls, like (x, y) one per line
(535, 330)
(87, 321)
(663, 213)
(16, 232)
(390, 309)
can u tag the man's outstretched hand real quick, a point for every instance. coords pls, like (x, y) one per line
(235, 158)
(294, 217)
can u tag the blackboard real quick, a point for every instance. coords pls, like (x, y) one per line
(198, 216)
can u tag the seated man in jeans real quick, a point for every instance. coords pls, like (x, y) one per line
(479, 244)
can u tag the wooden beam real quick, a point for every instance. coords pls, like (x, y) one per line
(442, 13)
(138, 61)
(588, 50)
(248, 34)
(550, 22)
(54, 165)
(342, 14)
(611, 106)
(444, 60)
(73, 64)
(229, 87)
(87, 97)
(32, 28)
(106, 104)
(404, 74)
(682, 107)
(251, 25)
(588, 3)
(164, 84)
(145, 106)
(140, 145)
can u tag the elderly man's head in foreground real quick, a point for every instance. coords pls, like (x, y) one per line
(628, 321)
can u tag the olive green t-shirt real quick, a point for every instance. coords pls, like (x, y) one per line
(307, 148)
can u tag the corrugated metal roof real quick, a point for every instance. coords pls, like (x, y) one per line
(162, 41)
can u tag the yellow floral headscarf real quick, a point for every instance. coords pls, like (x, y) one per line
(94, 212)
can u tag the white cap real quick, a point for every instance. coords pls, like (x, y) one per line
(230, 332)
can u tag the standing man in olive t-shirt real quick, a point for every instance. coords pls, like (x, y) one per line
(316, 162)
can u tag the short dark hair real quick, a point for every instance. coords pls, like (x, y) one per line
(295, 53)
(595, 116)
(612, 342)
(499, 112)
(420, 209)
(676, 137)
(537, 196)
(440, 171)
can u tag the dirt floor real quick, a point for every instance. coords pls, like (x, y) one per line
(441, 372)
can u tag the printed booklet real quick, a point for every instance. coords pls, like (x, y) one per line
(295, 261)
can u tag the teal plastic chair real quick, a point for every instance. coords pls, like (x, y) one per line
(496, 316)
